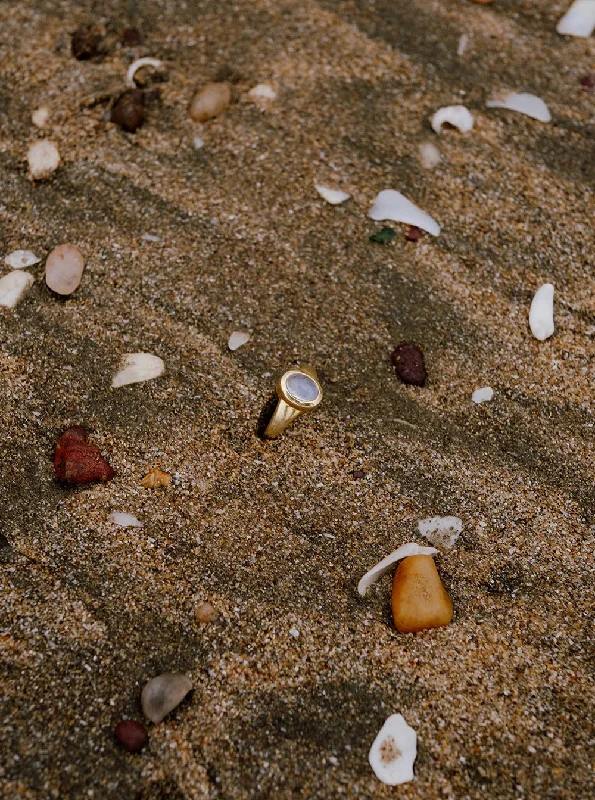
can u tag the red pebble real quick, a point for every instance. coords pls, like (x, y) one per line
(131, 735)
(409, 364)
(588, 81)
(413, 234)
(77, 461)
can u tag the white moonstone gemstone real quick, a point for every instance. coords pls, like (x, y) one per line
(43, 158)
(13, 286)
(302, 388)
(19, 259)
(541, 314)
(393, 752)
(64, 269)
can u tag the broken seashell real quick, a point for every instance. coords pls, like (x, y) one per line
(332, 196)
(40, 116)
(19, 259)
(238, 339)
(77, 461)
(139, 64)
(393, 751)
(392, 205)
(64, 269)
(378, 570)
(43, 158)
(263, 91)
(124, 520)
(441, 531)
(163, 693)
(483, 395)
(462, 45)
(528, 104)
(13, 286)
(155, 478)
(137, 367)
(419, 600)
(579, 20)
(210, 101)
(457, 116)
(541, 314)
(429, 155)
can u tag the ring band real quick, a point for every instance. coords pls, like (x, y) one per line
(298, 391)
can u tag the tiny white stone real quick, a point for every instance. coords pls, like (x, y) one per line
(198, 142)
(457, 116)
(462, 45)
(19, 259)
(138, 367)
(393, 752)
(125, 520)
(263, 91)
(138, 64)
(43, 158)
(482, 395)
(441, 531)
(528, 104)
(40, 116)
(13, 286)
(294, 632)
(378, 570)
(395, 206)
(541, 314)
(237, 339)
(332, 196)
(150, 237)
(429, 155)
(579, 20)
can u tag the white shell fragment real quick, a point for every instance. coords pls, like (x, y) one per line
(136, 65)
(378, 570)
(138, 367)
(332, 196)
(395, 206)
(541, 314)
(579, 20)
(528, 104)
(125, 520)
(457, 116)
(40, 116)
(393, 752)
(462, 45)
(198, 142)
(482, 395)
(19, 259)
(13, 286)
(429, 155)
(163, 693)
(238, 339)
(43, 158)
(264, 91)
(441, 531)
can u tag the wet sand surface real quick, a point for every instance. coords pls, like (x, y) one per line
(277, 534)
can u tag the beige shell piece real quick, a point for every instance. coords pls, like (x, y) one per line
(210, 101)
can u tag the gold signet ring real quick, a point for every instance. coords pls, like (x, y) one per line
(298, 391)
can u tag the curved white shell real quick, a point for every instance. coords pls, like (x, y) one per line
(541, 314)
(13, 286)
(138, 367)
(332, 196)
(457, 116)
(395, 206)
(138, 64)
(528, 104)
(393, 752)
(378, 570)
(579, 20)
(19, 259)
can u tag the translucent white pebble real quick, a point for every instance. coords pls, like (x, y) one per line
(19, 259)
(462, 45)
(429, 155)
(482, 395)
(138, 64)
(457, 116)
(198, 142)
(125, 520)
(332, 196)
(579, 20)
(237, 339)
(541, 314)
(264, 91)
(40, 116)
(528, 104)
(64, 269)
(138, 367)
(43, 158)
(163, 693)
(441, 531)
(393, 752)
(378, 570)
(13, 286)
(395, 206)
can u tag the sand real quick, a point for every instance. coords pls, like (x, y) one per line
(277, 535)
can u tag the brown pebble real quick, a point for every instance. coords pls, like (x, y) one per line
(77, 461)
(588, 82)
(210, 101)
(413, 234)
(409, 364)
(419, 600)
(87, 41)
(155, 478)
(131, 37)
(358, 474)
(131, 735)
(206, 612)
(129, 110)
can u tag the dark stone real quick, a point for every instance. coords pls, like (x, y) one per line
(129, 110)
(132, 37)
(409, 364)
(131, 735)
(87, 41)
